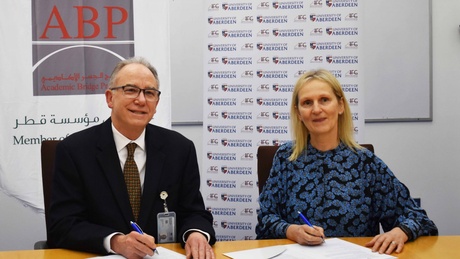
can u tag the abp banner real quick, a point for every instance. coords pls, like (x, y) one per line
(57, 57)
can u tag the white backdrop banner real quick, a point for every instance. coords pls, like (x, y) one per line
(254, 52)
(57, 57)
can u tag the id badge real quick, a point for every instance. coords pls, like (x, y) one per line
(166, 227)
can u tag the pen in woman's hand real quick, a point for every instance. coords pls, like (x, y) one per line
(304, 219)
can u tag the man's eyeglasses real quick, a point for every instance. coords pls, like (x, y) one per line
(132, 91)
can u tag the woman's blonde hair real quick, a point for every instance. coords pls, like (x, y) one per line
(345, 123)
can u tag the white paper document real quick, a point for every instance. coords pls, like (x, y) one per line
(333, 248)
(266, 252)
(163, 253)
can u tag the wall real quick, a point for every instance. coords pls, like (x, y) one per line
(422, 154)
(425, 155)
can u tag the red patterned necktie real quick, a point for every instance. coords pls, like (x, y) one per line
(133, 182)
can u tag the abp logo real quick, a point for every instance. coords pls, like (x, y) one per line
(59, 27)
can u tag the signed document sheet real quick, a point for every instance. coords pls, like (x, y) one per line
(333, 248)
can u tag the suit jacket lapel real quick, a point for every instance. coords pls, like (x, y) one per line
(110, 164)
(153, 173)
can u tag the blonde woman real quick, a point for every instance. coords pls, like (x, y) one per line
(338, 186)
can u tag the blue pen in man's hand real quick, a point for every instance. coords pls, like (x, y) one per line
(138, 229)
(304, 219)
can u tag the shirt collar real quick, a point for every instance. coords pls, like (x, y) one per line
(121, 141)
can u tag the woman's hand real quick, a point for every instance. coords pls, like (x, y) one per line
(389, 242)
(305, 235)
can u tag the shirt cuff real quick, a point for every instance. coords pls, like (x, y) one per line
(107, 239)
(188, 232)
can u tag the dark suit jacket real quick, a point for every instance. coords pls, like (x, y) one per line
(90, 199)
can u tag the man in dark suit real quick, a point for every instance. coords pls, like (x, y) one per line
(90, 205)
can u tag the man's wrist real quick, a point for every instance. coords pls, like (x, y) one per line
(107, 242)
(190, 231)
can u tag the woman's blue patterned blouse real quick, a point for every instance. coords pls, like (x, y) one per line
(346, 192)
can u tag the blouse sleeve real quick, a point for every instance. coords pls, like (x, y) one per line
(396, 207)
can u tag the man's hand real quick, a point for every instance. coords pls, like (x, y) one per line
(197, 247)
(133, 245)
(389, 242)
